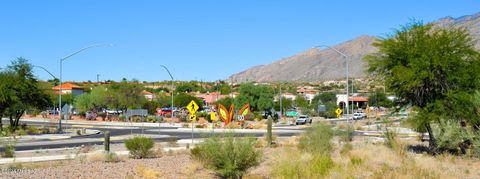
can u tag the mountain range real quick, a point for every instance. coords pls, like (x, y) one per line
(320, 65)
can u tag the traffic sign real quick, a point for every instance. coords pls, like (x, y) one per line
(339, 112)
(213, 117)
(212, 108)
(193, 117)
(159, 110)
(192, 107)
(240, 118)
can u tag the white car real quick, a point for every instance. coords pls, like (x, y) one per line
(303, 119)
(357, 116)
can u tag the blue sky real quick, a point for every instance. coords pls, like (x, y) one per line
(197, 40)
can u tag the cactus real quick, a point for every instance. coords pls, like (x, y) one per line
(269, 131)
(106, 142)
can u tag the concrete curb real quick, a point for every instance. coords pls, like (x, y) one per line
(4, 161)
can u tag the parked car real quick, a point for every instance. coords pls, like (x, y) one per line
(303, 119)
(166, 111)
(357, 116)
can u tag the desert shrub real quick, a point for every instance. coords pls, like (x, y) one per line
(151, 119)
(112, 157)
(139, 146)
(9, 150)
(229, 157)
(202, 114)
(452, 137)
(122, 117)
(296, 164)
(317, 139)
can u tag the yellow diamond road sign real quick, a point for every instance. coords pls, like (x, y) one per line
(192, 107)
(338, 111)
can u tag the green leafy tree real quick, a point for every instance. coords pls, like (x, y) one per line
(286, 104)
(260, 97)
(433, 69)
(301, 102)
(26, 92)
(182, 100)
(7, 93)
(227, 101)
(379, 99)
(126, 95)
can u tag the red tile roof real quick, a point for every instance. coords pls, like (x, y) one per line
(358, 98)
(67, 86)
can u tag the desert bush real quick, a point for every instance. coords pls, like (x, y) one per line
(139, 146)
(151, 119)
(122, 117)
(229, 157)
(317, 139)
(112, 157)
(9, 150)
(296, 164)
(452, 137)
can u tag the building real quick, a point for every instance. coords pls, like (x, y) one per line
(210, 98)
(69, 88)
(148, 95)
(358, 101)
(310, 95)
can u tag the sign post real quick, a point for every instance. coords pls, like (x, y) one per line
(213, 118)
(192, 108)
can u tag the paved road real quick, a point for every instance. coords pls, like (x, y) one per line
(120, 133)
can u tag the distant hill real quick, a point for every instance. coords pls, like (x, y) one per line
(325, 64)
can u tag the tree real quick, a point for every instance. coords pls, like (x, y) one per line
(227, 101)
(325, 97)
(182, 100)
(433, 69)
(125, 95)
(25, 93)
(260, 97)
(286, 104)
(96, 100)
(7, 93)
(379, 99)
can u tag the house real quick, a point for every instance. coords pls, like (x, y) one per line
(359, 101)
(289, 96)
(148, 95)
(69, 88)
(310, 95)
(210, 98)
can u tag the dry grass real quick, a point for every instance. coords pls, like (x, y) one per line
(147, 173)
(364, 160)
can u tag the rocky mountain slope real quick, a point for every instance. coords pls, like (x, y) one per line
(319, 65)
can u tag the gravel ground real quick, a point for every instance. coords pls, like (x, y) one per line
(172, 166)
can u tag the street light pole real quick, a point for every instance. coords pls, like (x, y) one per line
(54, 77)
(168, 71)
(281, 106)
(346, 74)
(60, 87)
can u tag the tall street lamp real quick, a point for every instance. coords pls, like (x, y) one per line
(54, 77)
(168, 71)
(60, 89)
(346, 74)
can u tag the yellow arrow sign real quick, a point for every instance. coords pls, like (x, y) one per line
(193, 117)
(192, 107)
